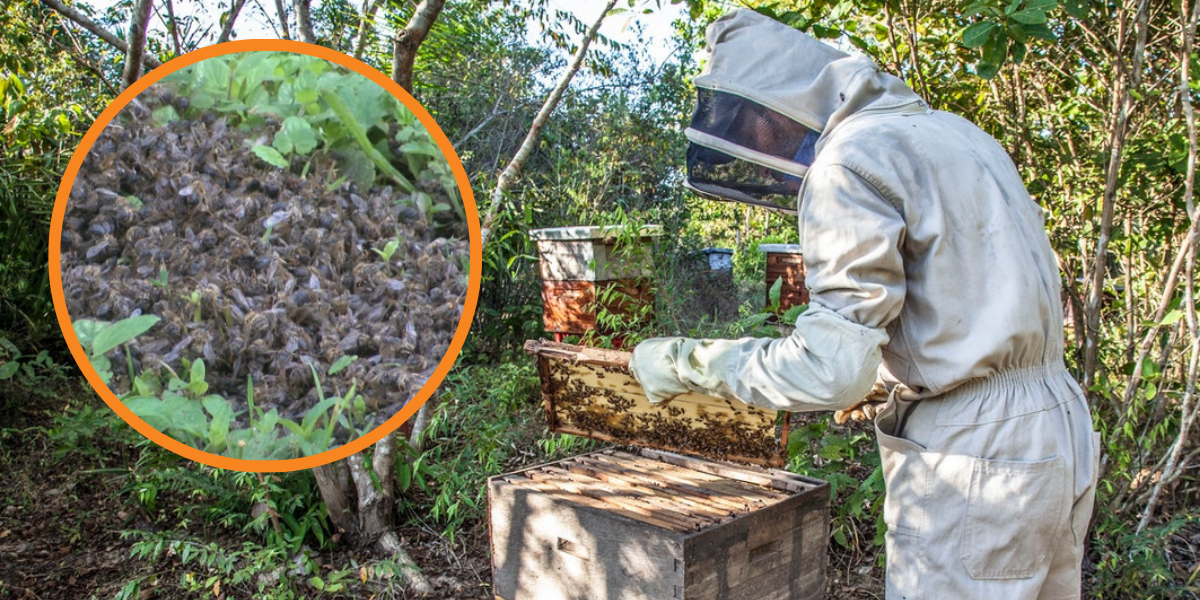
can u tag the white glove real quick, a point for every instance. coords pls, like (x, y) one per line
(828, 363)
(670, 366)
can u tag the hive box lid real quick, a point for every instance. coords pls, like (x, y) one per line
(589, 232)
(781, 248)
(589, 392)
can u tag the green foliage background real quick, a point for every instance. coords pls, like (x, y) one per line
(1085, 95)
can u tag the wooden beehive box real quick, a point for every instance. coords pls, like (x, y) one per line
(786, 262)
(655, 525)
(581, 264)
(589, 392)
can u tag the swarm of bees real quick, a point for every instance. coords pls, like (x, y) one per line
(258, 271)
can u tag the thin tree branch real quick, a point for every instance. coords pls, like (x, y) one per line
(227, 29)
(367, 18)
(1128, 79)
(408, 40)
(83, 21)
(511, 171)
(283, 19)
(173, 27)
(139, 21)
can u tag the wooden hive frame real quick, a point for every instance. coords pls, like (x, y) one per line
(590, 392)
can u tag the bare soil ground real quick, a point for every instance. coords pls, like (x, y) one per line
(64, 520)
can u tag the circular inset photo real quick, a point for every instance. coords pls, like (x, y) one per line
(265, 256)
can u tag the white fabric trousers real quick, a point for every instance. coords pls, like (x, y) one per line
(990, 489)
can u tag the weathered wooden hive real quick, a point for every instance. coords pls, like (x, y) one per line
(581, 264)
(786, 262)
(654, 524)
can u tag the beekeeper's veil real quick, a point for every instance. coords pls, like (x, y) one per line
(764, 100)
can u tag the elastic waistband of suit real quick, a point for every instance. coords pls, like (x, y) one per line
(1006, 380)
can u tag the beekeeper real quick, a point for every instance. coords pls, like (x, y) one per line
(930, 273)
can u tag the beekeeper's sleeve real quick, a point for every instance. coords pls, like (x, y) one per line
(852, 236)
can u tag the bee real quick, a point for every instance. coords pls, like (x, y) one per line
(256, 324)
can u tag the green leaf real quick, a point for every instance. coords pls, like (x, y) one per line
(301, 133)
(307, 96)
(1029, 16)
(315, 413)
(978, 34)
(775, 292)
(791, 314)
(975, 8)
(222, 414)
(1076, 8)
(270, 155)
(269, 420)
(186, 415)
(164, 114)
(1018, 50)
(150, 410)
(9, 369)
(1043, 5)
(1172, 316)
(197, 373)
(987, 70)
(86, 330)
(1040, 31)
(996, 49)
(426, 148)
(342, 363)
(122, 332)
(283, 142)
(203, 100)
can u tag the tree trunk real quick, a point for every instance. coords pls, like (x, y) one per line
(360, 498)
(408, 40)
(304, 21)
(83, 21)
(511, 171)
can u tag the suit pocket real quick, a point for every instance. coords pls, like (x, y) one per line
(1015, 511)
(907, 469)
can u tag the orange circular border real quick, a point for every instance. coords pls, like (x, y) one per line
(265, 466)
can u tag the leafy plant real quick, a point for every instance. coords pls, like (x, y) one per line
(37, 371)
(182, 409)
(98, 338)
(319, 109)
(818, 449)
(1007, 27)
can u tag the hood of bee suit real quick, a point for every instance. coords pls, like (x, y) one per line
(767, 99)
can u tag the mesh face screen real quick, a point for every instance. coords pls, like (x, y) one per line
(746, 124)
(751, 126)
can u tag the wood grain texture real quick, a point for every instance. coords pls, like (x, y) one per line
(790, 268)
(571, 306)
(612, 524)
(589, 392)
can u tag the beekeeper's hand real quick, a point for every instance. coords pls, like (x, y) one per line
(865, 409)
(669, 367)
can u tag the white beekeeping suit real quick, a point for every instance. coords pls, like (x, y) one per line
(927, 265)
